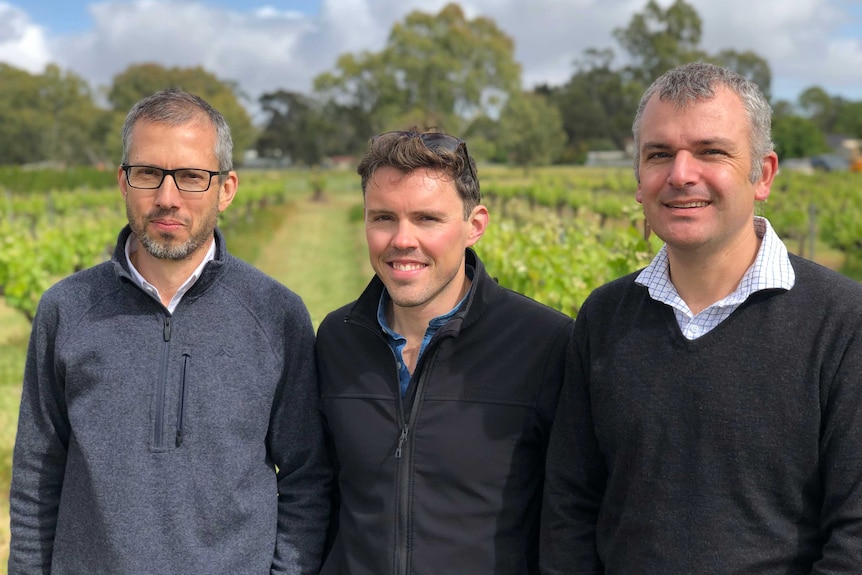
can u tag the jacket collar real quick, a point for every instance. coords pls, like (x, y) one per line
(209, 274)
(482, 295)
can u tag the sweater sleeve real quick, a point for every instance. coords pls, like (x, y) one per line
(841, 467)
(575, 474)
(39, 457)
(297, 446)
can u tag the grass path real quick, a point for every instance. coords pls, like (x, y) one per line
(319, 253)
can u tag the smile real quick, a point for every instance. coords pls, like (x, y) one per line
(406, 267)
(689, 205)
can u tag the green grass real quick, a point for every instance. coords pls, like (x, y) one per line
(319, 252)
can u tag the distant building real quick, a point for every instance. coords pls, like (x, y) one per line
(251, 159)
(340, 162)
(612, 158)
(605, 158)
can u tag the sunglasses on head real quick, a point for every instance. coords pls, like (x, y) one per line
(435, 141)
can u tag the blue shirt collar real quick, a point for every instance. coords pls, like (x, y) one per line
(397, 341)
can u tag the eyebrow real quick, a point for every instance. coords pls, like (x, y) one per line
(706, 142)
(433, 213)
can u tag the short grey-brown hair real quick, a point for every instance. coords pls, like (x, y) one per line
(175, 107)
(699, 80)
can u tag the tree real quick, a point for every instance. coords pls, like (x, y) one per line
(141, 80)
(748, 64)
(77, 128)
(656, 40)
(21, 123)
(436, 70)
(597, 104)
(797, 137)
(848, 119)
(831, 114)
(49, 117)
(531, 131)
(295, 129)
(817, 105)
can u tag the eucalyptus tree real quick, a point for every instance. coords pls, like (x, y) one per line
(438, 70)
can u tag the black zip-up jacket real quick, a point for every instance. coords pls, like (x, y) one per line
(449, 478)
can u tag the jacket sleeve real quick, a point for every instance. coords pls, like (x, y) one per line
(39, 457)
(841, 467)
(297, 446)
(575, 475)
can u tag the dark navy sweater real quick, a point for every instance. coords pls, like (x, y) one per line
(737, 452)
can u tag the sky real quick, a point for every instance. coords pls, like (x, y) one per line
(270, 45)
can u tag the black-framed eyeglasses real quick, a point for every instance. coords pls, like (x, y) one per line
(439, 141)
(186, 179)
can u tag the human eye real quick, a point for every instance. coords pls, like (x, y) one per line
(192, 176)
(656, 154)
(379, 218)
(146, 172)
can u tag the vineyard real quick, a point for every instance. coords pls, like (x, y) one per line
(555, 235)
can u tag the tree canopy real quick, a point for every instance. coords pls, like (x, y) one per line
(439, 70)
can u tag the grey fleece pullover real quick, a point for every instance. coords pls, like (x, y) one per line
(148, 442)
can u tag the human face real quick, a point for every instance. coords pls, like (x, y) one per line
(695, 164)
(417, 234)
(171, 224)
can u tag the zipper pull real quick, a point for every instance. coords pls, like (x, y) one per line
(401, 441)
(167, 333)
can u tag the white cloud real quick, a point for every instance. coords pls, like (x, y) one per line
(268, 49)
(22, 43)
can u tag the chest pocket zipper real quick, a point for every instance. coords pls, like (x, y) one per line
(181, 400)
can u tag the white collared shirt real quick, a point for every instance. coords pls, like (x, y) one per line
(132, 246)
(771, 269)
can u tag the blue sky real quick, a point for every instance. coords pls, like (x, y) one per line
(71, 16)
(268, 45)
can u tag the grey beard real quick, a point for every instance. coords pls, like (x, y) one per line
(167, 251)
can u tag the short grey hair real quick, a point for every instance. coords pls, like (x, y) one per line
(698, 81)
(175, 107)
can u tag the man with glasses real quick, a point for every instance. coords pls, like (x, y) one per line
(438, 385)
(169, 417)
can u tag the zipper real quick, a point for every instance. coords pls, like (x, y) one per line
(182, 399)
(402, 465)
(161, 384)
(402, 449)
(404, 430)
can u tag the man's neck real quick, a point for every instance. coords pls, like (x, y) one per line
(702, 280)
(411, 322)
(167, 275)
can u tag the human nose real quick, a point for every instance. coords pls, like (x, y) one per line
(168, 194)
(404, 237)
(683, 171)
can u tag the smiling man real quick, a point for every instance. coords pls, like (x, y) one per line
(169, 416)
(439, 386)
(711, 417)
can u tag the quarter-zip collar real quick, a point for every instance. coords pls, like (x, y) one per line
(208, 274)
